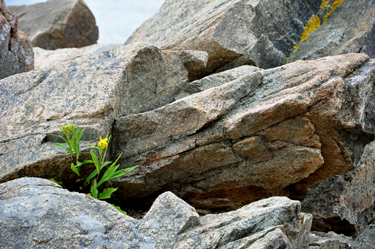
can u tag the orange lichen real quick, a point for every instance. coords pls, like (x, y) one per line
(324, 4)
(310, 27)
(333, 7)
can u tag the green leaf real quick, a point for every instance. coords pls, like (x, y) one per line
(119, 209)
(66, 141)
(94, 189)
(96, 161)
(80, 135)
(92, 175)
(60, 183)
(93, 146)
(107, 174)
(60, 146)
(74, 168)
(127, 170)
(106, 193)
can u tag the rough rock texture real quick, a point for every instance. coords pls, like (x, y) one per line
(272, 132)
(348, 197)
(349, 28)
(90, 91)
(253, 32)
(331, 240)
(16, 51)
(47, 58)
(38, 213)
(58, 24)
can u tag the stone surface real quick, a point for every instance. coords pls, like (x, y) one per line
(47, 58)
(331, 240)
(89, 91)
(58, 23)
(38, 213)
(233, 33)
(348, 29)
(347, 197)
(16, 51)
(305, 122)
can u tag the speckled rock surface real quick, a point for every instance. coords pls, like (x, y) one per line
(274, 131)
(16, 51)
(57, 23)
(253, 32)
(350, 197)
(37, 213)
(331, 240)
(89, 91)
(47, 58)
(350, 28)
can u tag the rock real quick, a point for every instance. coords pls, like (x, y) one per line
(366, 238)
(233, 33)
(320, 240)
(47, 58)
(16, 51)
(89, 91)
(348, 197)
(348, 29)
(37, 212)
(58, 24)
(223, 147)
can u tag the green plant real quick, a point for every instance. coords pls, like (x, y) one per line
(72, 137)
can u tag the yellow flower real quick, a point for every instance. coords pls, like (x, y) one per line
(103, 143)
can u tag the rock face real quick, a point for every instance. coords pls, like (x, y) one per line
(47, 58)
(16, 51)
(261, 33)
(58, 24)
(276, 131)
(37, 212)
(253, 32)
(91, 92)
(350, 28)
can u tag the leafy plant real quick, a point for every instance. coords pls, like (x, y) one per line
(72, 137)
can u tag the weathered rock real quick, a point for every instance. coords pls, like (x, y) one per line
(366, 238)
(89, 91)
(58, 23)
(239, 32)
(331, 240)
(347, 197)
(349, 28)
(276, 131)
(16, 51)
(36, 212)
(47, 58)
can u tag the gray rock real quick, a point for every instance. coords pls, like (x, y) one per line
(347, 197)
(348, 29)
(89, 91)
(239, 32)
(16, 51)
(47, 58)
(366, 238)
(221, 148)
(331, 240)
(58, 24)
(37, 213)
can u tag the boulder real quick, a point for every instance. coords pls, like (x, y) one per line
(16, 51)
(330, 240)
(348, 27)
(233, 33)
(36, 212)
(271, 132)
(47, 58)
(58, 24)
(345, 203)
(265, 34)
(90, 92)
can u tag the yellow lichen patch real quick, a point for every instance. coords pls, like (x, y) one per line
(324, 4)
(310, 27)
(333, 7)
